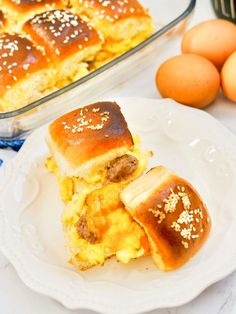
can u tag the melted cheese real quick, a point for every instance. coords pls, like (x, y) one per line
(112, 49)
(118, 234)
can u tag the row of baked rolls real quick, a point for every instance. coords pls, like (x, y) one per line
(111, 209)
(122, 23)
(68, 47)
(52, 52)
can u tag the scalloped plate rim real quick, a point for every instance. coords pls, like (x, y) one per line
(102, 307)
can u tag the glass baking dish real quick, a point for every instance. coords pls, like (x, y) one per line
(170, 17)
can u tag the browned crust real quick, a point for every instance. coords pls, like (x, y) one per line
(175, 238)
(114, 10)
(2, 20)
(91, 131)
(61, 32)
(23, 6)
(19, 58)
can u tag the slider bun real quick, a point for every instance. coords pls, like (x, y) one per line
(24, 64)
(114, 9)
(61, 33)
(25, 6)
(123, 24)
(68, 41)
(85, 140)
(172, 214)
(117, 20)
(21, 57)
(17, 12)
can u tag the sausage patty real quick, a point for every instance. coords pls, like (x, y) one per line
(84, 232)
(121, 167)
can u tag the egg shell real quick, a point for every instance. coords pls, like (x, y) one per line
(214, 40)
(189, 79)
(228, 77)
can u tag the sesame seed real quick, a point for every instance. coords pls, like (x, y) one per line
(64, 27)
(176, 226)
(185, 244)
(186, 233)
(171, 202)
(12, 48)
(96, 109)
(157, 214)
(85, 122)
(26, 66)
(112, 10)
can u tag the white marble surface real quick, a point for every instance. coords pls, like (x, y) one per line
(220, 298)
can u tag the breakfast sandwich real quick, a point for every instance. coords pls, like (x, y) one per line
(123, 23)
(18, 11)
(172, 214)
(92, 146)
(67, 39)
(98, 227)
(25, 71)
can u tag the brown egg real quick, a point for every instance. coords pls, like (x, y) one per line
(189, 79)
(228, 77)
(214, 40)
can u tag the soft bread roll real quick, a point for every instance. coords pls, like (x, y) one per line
(67, 39)
(62, 33)
(26, 6)
(93, 139)
(25, 72)
(172, 214)
(18, 11)
(124, 24)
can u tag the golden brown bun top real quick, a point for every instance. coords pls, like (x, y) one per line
(23, 6)
(174, 217)
(91, 131)
(19, 57)
(61, 32)
(113, 10)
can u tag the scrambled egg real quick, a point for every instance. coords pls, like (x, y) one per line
(117, 234)
(97, 210)
(70, 185)
(113, 49)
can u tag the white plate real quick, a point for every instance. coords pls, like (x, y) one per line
(190, 142)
